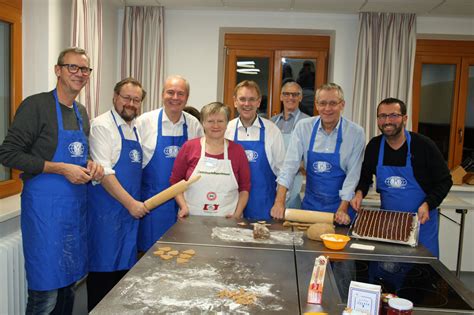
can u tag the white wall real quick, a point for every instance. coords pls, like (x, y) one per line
(46, 31)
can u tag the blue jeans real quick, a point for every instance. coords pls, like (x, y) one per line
(56, 302)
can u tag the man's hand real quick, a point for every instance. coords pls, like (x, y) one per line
(278, 210)
(75, 174)
(357, 200)
(341, 216)
(423, 213)
(96, 171)
(234, 215)
(137, 209)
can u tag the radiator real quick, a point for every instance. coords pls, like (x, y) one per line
(13, 290)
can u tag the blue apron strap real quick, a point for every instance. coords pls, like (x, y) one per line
(408, 137)
(262, 130)
(381, 151)
(339, 138)
(158, 134)
(118, 127)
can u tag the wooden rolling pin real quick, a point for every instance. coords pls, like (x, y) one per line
(309, 216)
(169, 193)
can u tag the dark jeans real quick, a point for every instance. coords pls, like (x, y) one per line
(55, 302)
(99, 284)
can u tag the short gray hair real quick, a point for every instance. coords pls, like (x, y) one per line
(74, 50)
(330, 87)
(179, 77)
(292, 83)
(214, 108)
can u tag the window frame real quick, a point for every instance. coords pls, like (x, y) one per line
(454, 52)
(10, 12)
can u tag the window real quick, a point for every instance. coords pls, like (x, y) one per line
(10, 83)
(271, 60)
(443, 98)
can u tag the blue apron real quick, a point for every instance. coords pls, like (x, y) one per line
(53, 216)
(112, 231)
(324, 177)
(156, 178)
(262, 179)
(400, 191)
(294, 199)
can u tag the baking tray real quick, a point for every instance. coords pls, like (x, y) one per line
(412, 240)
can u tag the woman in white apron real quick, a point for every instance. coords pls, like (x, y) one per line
(223, 189)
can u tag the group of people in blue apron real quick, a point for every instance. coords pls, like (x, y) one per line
(322, 194)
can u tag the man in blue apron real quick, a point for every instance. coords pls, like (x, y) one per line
(412, 175)
(291, 96)
(112, 220)
(48, 141)
(332, 148)
(163, 131)
(264, 147)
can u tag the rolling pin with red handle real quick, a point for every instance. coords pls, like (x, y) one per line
(169, 193)
(309, 216)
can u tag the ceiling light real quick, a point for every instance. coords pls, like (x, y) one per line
(246, 64)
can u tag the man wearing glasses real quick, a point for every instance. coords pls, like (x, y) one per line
(264, 147)
(411, 172)
(113, 205)
(48, 142)
(291, 96)
(332, 149)
(163, 131)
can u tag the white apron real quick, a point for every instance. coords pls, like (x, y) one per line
(216, 193)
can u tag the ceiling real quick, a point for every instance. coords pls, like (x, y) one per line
(455, 8)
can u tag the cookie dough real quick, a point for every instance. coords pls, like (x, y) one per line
(166, 257)
(240, 296)
(173, 252)
(185, 256)
(165, 249)
(158, 252)
(316, 230)
(189, 252)
(260, 231)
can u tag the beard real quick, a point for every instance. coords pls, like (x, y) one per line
(128, 117)
(394, 132)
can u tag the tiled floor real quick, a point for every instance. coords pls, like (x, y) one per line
(80, 305)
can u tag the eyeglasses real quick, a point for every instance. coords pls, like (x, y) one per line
(249, 99)
(294, 94)
(330, 103)
(72, 68)
(129, 99)
(391, 116)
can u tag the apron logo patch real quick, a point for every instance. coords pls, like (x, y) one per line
(135, 156)
(321, 167)
(171, 151)
(396, 182)
(210, 207)
(252, 156)
(76, 149)
(211, 196)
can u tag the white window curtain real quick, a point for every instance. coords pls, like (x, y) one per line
(87, 34)
(142, 50)
(384, 64)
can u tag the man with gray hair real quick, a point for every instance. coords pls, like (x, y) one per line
(332, 149)
(291, 96)
(48, 142)
(163, 131)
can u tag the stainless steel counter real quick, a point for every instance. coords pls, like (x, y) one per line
(198, 230)
(279, 274)
(156, 286)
